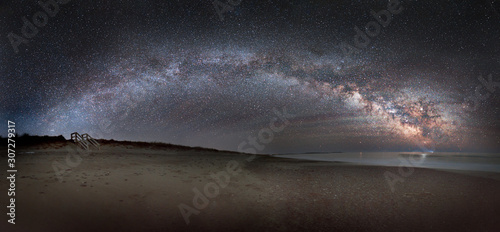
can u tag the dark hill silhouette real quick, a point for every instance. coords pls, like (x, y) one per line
(27, 140)
(35, 141)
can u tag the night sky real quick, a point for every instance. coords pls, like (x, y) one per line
(426, 78)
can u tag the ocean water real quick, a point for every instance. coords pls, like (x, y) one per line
(488, 162)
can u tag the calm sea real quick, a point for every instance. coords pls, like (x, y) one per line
(489, 162)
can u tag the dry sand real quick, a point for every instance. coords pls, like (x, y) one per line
(124, 187)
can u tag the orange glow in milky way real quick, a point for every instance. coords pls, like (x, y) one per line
(418, 120)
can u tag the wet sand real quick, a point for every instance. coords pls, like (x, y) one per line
(136, 188)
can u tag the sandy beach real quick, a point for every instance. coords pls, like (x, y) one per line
(130, 187)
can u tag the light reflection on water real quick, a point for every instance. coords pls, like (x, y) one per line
(489, 162)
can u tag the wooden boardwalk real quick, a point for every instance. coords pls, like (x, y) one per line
(85, 140)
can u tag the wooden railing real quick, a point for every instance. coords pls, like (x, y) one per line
(84, 140)
(91, 141)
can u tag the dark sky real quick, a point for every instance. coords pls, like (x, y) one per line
(424, 76)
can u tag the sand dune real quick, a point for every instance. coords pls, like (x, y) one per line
(128, 186)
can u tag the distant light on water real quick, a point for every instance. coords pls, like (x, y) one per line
(439, 160)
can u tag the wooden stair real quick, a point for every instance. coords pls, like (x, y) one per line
(85, 141)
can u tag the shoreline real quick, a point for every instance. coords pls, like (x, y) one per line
(124, 188)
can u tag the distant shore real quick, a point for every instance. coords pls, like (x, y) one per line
(125, 187)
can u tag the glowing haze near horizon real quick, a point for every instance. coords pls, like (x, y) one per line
(180, 75)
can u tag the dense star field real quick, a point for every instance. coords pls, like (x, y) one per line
(350, 75)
